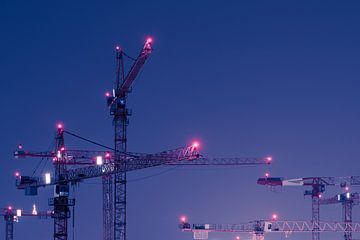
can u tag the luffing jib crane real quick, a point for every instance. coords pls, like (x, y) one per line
(114, 188)
(114, 203)
(113, 164)
(318, 185)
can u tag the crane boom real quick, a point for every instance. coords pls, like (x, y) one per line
(141, 161)
(138, 64)
(263, 226)
(260, 227)
(235, 161)
(341, 198)
(311, 181)
(318, 185)
(187, 156)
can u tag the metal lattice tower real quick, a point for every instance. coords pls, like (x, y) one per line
(115, 166)
(10, 216)
(120, 124)
(61, 202)
(115, 202)
(318, 185)
(316, 192)
(9, 224)
(348, 201)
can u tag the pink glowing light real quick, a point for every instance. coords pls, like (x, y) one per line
(10, 208)
(183, 219)
(107, 155)
(107, 94)
(347, 188)
(17, 174)
(195, 144)
(268, 159)
(149, 40)
(62, 149)
(117, 47)
(320, 195)
(20, 146)
(237, 238)
(274, 217)
(267, 174)
(60, 126)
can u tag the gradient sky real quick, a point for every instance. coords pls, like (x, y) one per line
(246, 78)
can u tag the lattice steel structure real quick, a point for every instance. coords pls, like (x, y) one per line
(10, 216)
(318, 185)
(347, 200)
(259, 228)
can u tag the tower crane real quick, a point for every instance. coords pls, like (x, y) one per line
(259, 228)
(115, 163)
(62, 159)
(102, 163)
(318, 185)
(347, 200)
(11, 216)
(114, 203)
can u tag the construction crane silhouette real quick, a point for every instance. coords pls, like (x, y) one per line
(10, 216)
(102, 163)
(318, 185)
(114, 203)
(347, 200)
(259, 228)
(112, 165)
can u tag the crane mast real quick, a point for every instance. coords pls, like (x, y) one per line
(61, 201)
(116, 202)
(318, 185)
(10, 216)
(112, 166)
(347, 200)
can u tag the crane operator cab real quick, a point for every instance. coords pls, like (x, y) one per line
(61, 190)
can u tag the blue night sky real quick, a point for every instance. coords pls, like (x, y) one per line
(246, 78)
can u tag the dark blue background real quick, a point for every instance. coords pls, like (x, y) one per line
(246, 78)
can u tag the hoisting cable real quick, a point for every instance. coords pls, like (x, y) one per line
(41, 161)
(131, 58)
(88, 140)
(96, 143)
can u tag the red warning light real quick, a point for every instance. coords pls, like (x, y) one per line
(268, 159)
(149, 40)
(347, 189)
(17, 174)
(195, 144)
(183, 219)
(9, 208)
(60, 126)
(237, 238)
(267, 174)
(274, 217)
(107, 94)
(117, 47)
(20, 146)
(107, 155)
(62, 149)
